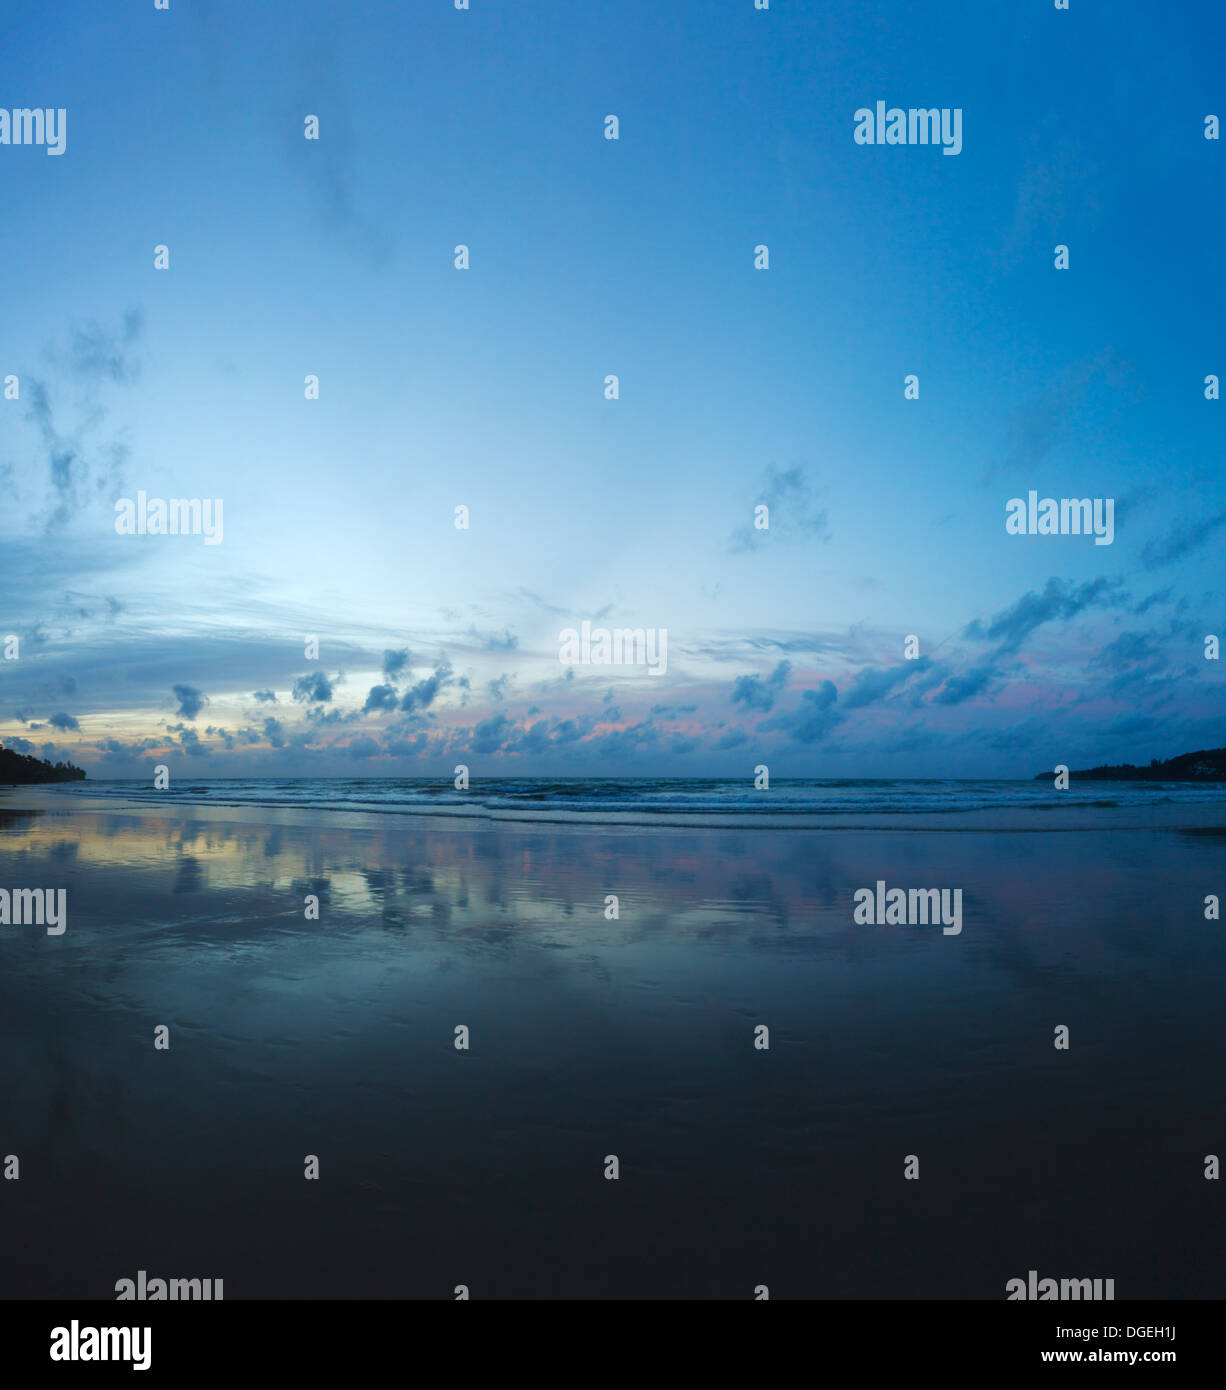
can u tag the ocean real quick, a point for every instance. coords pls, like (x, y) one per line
(695, 801)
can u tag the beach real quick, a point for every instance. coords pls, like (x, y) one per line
(591, 1035)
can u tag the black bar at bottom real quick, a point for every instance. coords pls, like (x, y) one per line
(361, 1340)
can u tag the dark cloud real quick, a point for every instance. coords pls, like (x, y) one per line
(191, 701)
(422, 695)
(1152, 601)
(732, 738)
(873, 684)
(394, 662)
(1061, 599)
(321, 717)
(1129, 649)
(490, 734)
(63, 721)
(1130, 725)
(1181, 540)
(380, 697)
(812, 719)
(189, 741)
(959, 688)
(757, 693)
(315, 688)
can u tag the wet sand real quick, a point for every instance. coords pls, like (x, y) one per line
(592, 1037)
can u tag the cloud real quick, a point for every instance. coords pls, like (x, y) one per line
(314, 687)
(1130, 725)
(422, 695)
(394, 662)
(328, 165)
(489, 735)
(492, 642)
(95, 357)
(320, 717)
(741, 648)
(99, 355)
(1060, 599)
(873, 684)
(1152, 601)
(191, 701)
(755, 693)
(1129, 649)
(380, 697)
(812, 719)
(732, 738)
(1181, 540)
(537, 601)
(266, 697)
(189, 740)
(793, 512)
(959, 688)
(63, 721)
(1045, 421)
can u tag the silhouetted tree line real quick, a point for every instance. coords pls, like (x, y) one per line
(1209, 765)
(17, 768)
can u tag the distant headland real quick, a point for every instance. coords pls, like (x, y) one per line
(18, 770)
(1209, 765)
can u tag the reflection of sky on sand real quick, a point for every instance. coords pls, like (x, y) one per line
(592, 1036)
(199, 881)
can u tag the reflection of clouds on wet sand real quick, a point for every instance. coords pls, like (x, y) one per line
(292, 1036)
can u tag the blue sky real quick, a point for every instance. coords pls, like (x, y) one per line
(485, 387)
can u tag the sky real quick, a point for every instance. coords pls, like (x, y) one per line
(485, 387)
